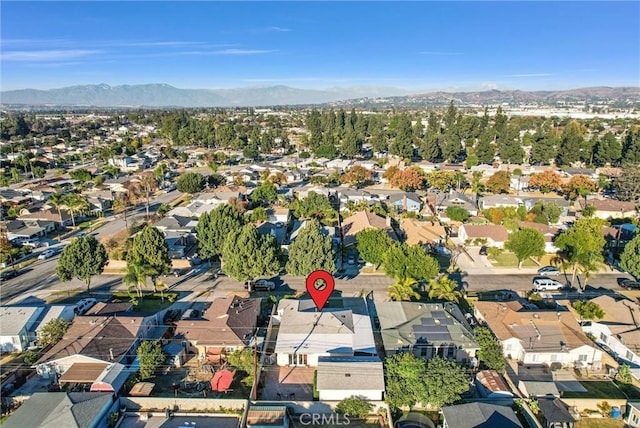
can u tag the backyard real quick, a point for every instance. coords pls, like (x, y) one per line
(599, 423)
(596, 389)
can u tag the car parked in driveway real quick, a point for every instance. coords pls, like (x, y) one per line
(484, 250)
(549, 271)
(46, 254)
(262, 285)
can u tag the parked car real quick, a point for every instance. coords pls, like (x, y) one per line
(6, 275)
(84, 305)
(46, 254)
(549, 270)
(545, 284)
(32, 242)
(630, 284)
(484, 250)
(262, 285)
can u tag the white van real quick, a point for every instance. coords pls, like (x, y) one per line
(544, 284)
(84, 305)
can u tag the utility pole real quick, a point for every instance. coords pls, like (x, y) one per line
(255, 369)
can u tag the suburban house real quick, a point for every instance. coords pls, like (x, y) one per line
(344, 377)
(356, 196)
(64, 409)
(48, 215)
(619, 329)
(18, 230)
(453, 199)
(228, 324)
(423, 232)
(259, 416)
(97, 339)
(219, 197)
(426, 329)
(125, 163)
(177, 224)
(18, 327)
(277, 230)
(549, 232)
(632, 416)
(538, 336)
(479, 415)
(325, 230)
(279, 215)
(405, 202)
(304, 334)
(499, 201)
(364, 220)
(562, 203)
(495, 235)
(606, 208)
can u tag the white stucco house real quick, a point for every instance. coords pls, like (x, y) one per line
(539, 336)
(304, 334)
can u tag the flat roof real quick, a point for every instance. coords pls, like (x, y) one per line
(83, 372)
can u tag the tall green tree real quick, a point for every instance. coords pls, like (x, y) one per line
(372, 244)
(630, 258)
(190, 182)
(445, 381)
(405, 380)
(244, 359)
(490, 352)
(75, 204)
(607, 149)
(315, 205)
(150, 356)
(627, 185)
(571, 143)
(410, 261)
(485, 149)
(149, 248)
(311, 251)
(248, 255)
(214, 227)
(264, 195)
(525, 243)
(402, 146)
(83, 259)
(581, 246)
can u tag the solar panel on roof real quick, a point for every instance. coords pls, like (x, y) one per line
(428, 321)
(446, 321)
(437, 314)
(440, 336)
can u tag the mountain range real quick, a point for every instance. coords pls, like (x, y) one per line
(163, 95)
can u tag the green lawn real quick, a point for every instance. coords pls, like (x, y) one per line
(599, 423)
(507, 259)
(596, 389)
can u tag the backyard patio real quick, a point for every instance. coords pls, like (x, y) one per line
(287, 383)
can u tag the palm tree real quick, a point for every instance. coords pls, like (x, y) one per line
(404, 290)
(75, 204)
(57, 200)
(148, 185)
(135, 277)
(444, 288)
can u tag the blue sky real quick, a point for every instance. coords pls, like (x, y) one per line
(414, 45)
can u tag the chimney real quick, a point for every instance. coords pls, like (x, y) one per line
(111, 353)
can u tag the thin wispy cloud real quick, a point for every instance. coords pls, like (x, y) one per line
(439, 53)
(47, 55)
(277, 29)
(230, 52)
(530, 75)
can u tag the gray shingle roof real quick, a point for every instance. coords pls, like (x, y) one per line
(350, 373)
(480, 415)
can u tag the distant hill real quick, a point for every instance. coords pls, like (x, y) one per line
(163, 95)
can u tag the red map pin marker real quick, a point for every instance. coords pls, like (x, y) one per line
(320, 285)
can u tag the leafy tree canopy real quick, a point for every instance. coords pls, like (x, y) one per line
(458, 214)
(311, 251)
(83, 259)
(525, 243)
(405, 382)
(445, 381)
(630, 259)
(264, 195)
(315, 205)
(151, 357)
(409, 261)
(52, 332)
(354, 407)
(490, 352)
(588, 310)
(372, 244)
(213, 228)
(149, 249)
(190, 182)
(248, 255)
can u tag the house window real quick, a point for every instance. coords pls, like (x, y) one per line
(604, 337)
(508, 346)
(583, 357)
(554, 357)
(629, 355)
(451, 352)
(534, 357)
